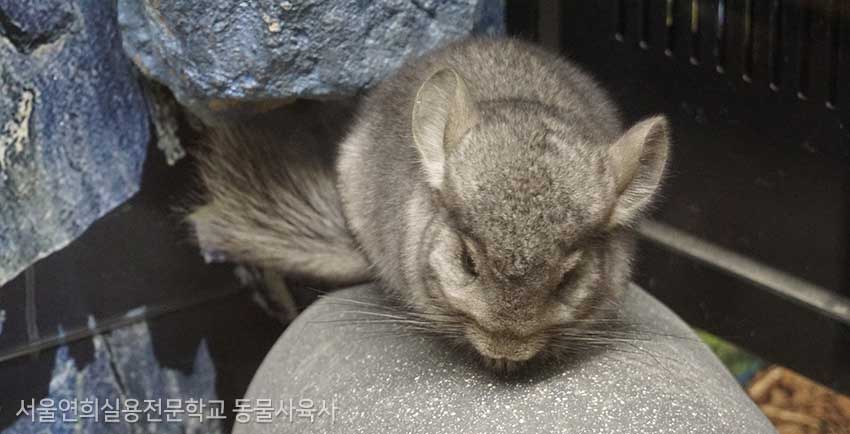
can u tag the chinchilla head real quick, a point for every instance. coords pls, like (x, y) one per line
(530, 212)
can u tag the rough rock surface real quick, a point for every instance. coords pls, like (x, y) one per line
(216, 55)
(73, 124)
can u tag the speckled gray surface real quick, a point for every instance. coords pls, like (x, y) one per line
(217, 54)
(383, 383)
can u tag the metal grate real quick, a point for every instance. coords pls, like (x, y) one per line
(797, 46)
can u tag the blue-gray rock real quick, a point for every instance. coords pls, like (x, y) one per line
(73, 124)
(374, 376)
(123, 369)
(216, 55)
(30, 24)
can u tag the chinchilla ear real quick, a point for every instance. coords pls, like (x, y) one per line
(442, 113)
(638, 159)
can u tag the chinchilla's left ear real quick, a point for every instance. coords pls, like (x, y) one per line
(638, 159)
(442, 113)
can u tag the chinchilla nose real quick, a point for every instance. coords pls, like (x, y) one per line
(504, 344)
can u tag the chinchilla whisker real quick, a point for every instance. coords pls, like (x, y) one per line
(414, 316)
(446, 319)
(597, 320)
(580, 334)
(605, 340)
(376, 320)
(626, 331)
(365, 336)
(368, 321)
(596, 338)
(648, 335)
(655, 357)
(601, 339)
(320, 292)
(384, 319)
(388, 327)
(343, 300)
(370, 313)
(608, 348)
(409, 331)
(394, 310)
(352, 303)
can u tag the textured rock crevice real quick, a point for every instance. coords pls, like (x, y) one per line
(164, 112)
(278, 51)
(73, 125)
(29, 26)
(15, 134)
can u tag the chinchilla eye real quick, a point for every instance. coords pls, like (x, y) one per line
(568, 278)
(468, 262)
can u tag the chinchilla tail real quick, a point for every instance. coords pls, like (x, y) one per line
(266, 202)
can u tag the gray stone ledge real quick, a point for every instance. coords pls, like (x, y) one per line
(665, 381)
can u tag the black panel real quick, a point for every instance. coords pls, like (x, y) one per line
(522, 18)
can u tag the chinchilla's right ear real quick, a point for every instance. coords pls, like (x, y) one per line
(638, 159)
(442, 113)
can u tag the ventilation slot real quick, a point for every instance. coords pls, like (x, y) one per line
(695, 33)
(837, 56)
(620, 22)
(797, 47)
(669, 26)
(748, 42)
(775, 56)
(720, 38)
(805, 49)
(645, 24)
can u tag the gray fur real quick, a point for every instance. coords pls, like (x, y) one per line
(529, 189)
(490, 185)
